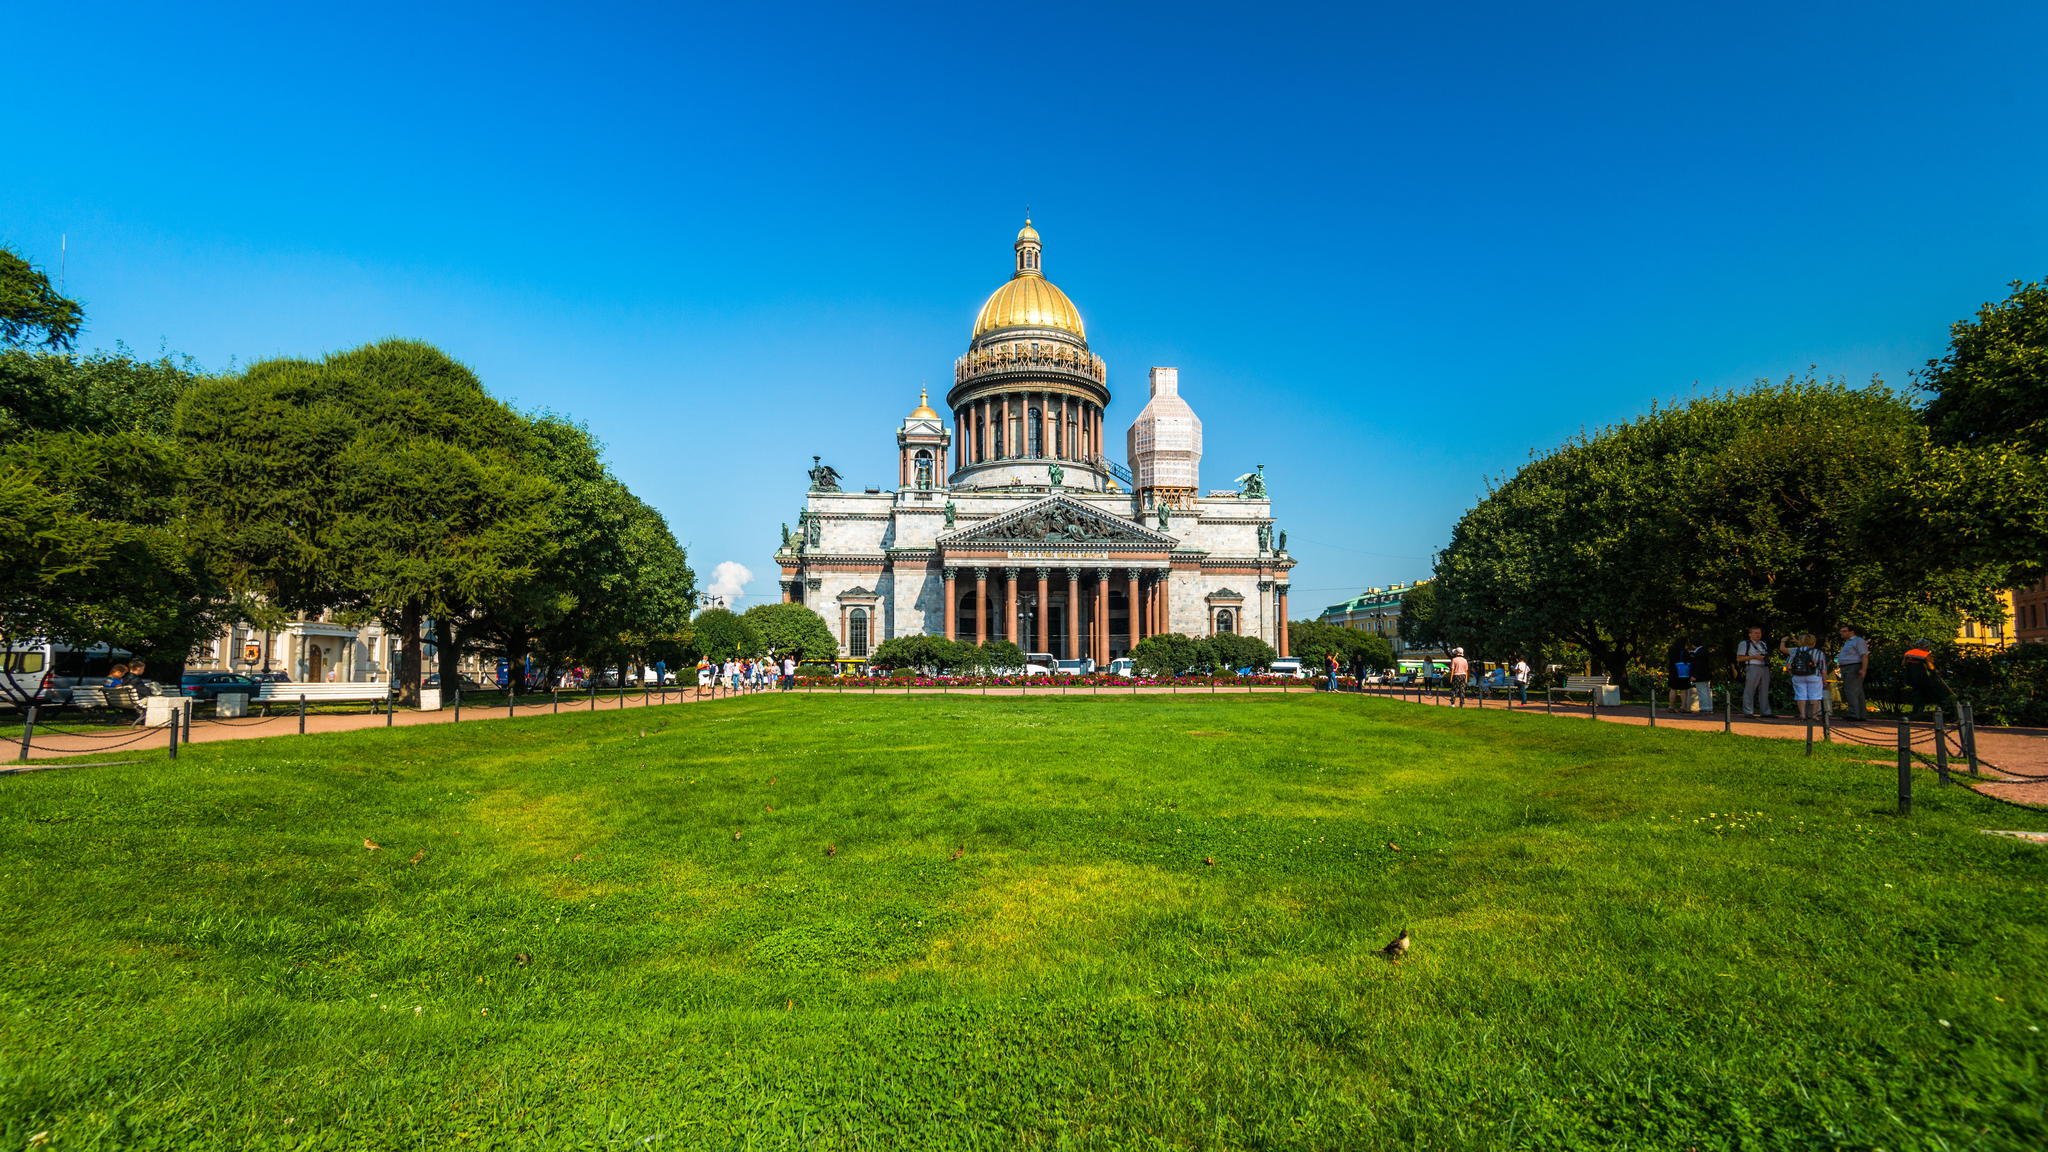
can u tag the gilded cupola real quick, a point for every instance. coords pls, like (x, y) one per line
(1029, 300)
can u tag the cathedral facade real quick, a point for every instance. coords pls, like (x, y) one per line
(1011, 521)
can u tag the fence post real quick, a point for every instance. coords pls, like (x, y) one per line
(508, 701)
(1594, 695)
(1940, 746)
(1549, 701)
(1653, 705)
(302, 713)
(28, 729)
(1728, 715)
(390, 705)
(458, 705)
(1905, 767)
(173, 726)
(556, 692)
(1809, 734)
(185, 711)
(1827, 729)
(1966, 717)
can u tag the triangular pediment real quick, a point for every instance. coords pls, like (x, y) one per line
(1057, 520)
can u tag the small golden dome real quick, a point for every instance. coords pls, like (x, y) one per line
(1029, 301)
(1027, 232)
(923, 411)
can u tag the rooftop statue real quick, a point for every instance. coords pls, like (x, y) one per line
(1165, 517)
(824, 477)
(1252, 485)
(1058, 474)
(950, 511)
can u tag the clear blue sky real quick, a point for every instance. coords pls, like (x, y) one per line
(1392, 249)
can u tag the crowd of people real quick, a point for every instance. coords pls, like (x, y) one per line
(736, 675)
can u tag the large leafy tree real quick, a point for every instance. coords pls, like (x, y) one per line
(1992, 385)
(794, 629)
(383, 480)
(722, 634)
(1314, 641)
(1762, 507)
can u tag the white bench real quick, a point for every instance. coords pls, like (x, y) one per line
(285, 692)
(1595, 687)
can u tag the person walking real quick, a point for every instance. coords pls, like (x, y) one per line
(1921, 682)
(1808, 667)
(1677, 675)
(1753, 659)
(1852, 664)
(1522, 679)
(1461, 674)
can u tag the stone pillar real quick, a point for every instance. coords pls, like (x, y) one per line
(1073, 614)
(1166, 601)
(787, 595)
(1010, 616)
(1044, 638)
(952, 605)
(981, 605)
(1045, 426)
(1101, 616)
(1131, 598)
(1282, 609)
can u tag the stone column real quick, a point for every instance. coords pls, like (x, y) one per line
(1044, 639)
(952, 605)
(787, 596)
(1131, 598)
(1282, 645)
(1010, 617)
(981, 605)
(1045, 426)
(1073, 614)
(1101, 616)
(1166, 601)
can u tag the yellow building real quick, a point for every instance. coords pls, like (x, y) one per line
(1976, 636)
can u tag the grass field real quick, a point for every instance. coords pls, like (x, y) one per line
(625, 930)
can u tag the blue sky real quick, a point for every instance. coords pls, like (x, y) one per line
(1392, 250)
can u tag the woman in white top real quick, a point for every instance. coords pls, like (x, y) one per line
(1808, 667)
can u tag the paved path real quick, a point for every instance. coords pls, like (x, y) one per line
(2008, 756)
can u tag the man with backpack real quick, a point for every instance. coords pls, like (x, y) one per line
(1808, 668)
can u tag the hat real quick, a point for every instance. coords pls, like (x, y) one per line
(1457, 651)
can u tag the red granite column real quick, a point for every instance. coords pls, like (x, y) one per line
(1282, 646)
(952, 606)
(1044, 639)
(981, 605)
(1101, 616)
(1073, 614)
(1131, 599)
(1010, 616)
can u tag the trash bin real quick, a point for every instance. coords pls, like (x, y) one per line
(1610, 696)
(430, 699)
(231, 704)
(158, 710)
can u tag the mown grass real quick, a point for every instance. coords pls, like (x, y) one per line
(1622, 937)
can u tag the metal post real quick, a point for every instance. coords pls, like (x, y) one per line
(1594, 695)
(1549, 701)
(28, 729)
(1728, 716)
(556, 692)
(1966, 717)
(1827, 730)
(1809, 734)
(458, 705)
(302, 713)
(508, 700)
(185, 710)
(173, 726)
(1653, 705)
(390, 705)
(1940, 746)
(1905, 767)
(593, 693)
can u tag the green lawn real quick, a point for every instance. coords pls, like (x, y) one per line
(1622, 937)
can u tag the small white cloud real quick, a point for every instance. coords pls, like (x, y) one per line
(729, 582)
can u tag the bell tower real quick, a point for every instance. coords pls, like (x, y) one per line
(1165, 443)
(921, 445)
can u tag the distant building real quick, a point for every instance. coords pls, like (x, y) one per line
(313, 648)
(2030, 613)
(1375, 610)
(1976, 636)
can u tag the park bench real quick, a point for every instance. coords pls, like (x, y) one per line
(100, 699)
(1592, 686)
(285, 692)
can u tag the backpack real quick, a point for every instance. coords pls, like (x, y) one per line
(1804, 663)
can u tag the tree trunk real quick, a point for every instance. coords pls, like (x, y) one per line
(408, 655)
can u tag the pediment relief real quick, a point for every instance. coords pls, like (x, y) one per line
(1057, 520)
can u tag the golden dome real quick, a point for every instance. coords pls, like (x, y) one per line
(923, 411)
(1029, 301)
(1027, 232)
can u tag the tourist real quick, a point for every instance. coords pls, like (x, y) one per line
(1753, 658)
(1677, 674)
(116, 676)
(788, 672)
(703, 675)
(1461, 674)
(1852, 663)
(732, 674)
(1808, 668)
(1330, 668)
(1522, 679)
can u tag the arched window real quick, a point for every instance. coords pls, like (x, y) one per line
(1034, 431)
(1226, 620)
(924, 467)
(857, 632)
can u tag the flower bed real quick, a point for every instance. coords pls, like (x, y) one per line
(1049, 682)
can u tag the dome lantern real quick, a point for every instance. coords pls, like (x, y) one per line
(1028, 249)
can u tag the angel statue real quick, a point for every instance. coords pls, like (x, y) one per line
(1283, 541)
(1165, 517)
(1265, 537)
(824, 477)
(1058, 474)
(1252, 485)
(950, 511)
(785, 535)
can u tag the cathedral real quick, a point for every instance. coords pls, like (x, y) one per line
(1011, 521)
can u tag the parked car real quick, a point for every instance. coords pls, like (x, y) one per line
(270, 677)
(1122, 666)
(214, 685)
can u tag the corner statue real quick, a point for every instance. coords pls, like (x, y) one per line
(1058, 474)
(785, 536)
(1165, 518)
(950, 512)
(1252, 485)
(824, 477)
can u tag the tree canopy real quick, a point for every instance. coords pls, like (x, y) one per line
(793, 629)
(1314, 641)
(722, 634)
(32, 311)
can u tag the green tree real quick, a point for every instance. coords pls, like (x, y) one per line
(1992, 384)
(382, 481)
(1314, 641)
(1421, 625)
(1230, 651)
(994, 656)
(721, 634)
(32, 312)
(933, 653)
(1167, 654)
(793, 629)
